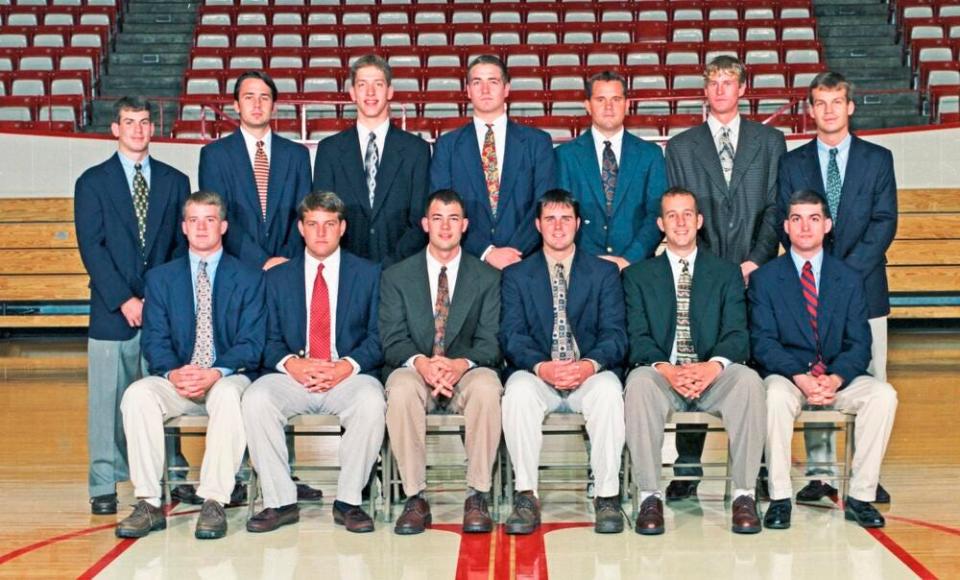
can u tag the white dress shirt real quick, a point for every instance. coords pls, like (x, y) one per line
(380, 133)
(716, 127)
(251, 142)
(616, 143)
(499, 137)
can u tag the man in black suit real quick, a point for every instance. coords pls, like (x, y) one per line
(439, 314)
(857, 179)
(730, 164)
(380, 171)
(127, 218)
(687, 325)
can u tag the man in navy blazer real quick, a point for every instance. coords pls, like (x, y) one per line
(204, 324)
(126, 213)
(500, 169)
(811, 341)
(261, 176)
(562, 331)
(617, 178)
(322, 356)
(864, 209)
(379, 171)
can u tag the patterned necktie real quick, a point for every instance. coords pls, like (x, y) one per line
(561, 347)
(140, 194)
(320, 318)
(608, 175)
(727, 153)
(809, 286)
(685, 351)
(834, 185)
(371, 161)
(203, 341)
(440, 313)
(261, 173)
(490, 172)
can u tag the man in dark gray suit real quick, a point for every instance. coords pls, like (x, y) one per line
(730, 164)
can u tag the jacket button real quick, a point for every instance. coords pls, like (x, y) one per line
(373, 230)
(609, 249)
(604, 228)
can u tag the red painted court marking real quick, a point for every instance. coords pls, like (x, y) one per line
(107, 559)
(901, 553)
(931, 525)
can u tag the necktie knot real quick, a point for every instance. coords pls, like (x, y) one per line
(260, 145)
(203, 266)
(138, 167)
(319, 268)
(726, 132)
(684, 265)
(607, 145)
(372, 137)
(807, 267)
(833, 153)
(489, 126)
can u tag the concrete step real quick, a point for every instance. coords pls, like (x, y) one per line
(155, 48)
(907, 100)
(844, 65)
(880, 84)
(827, 10)
(867, 71)
(177, 38)
(856, 31)
(859, 42)
(161, 9)
(110, 82)
(887, 122)
(190, 3)
(166, 91)
(820, 3)
(877, 20)
(147, 60)
(155, 29)
(155, 18)
(135, 71)
(883, 50)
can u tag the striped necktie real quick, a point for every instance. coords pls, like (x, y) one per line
(261, 173)
(809, 285)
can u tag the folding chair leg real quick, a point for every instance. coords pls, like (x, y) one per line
(253, 491)
(728, 480)
(847, 459)
(388, 487)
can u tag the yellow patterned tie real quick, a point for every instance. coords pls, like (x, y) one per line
(140, 202)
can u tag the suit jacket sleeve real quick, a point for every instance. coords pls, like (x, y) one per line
(644, 349)
(526, 238)
(412, 240)
(88, 217)
(854, 356)
(516, 336)
(276, 346)
(368, 353)
(182, 192)
(734, 340)
(870, 252)
(765, 333)
(398, 345)
(786, 188)
(322, 169)
(157, 333)
(768, 240)
(674, 165)
(441, 176)
(486, 347)
(245, 352)
(647, 238)
(611, 346)
(302, 185)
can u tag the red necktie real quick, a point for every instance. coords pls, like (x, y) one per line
(809, 285)
(320, 318)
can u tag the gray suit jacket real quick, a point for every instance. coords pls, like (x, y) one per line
(739, 220)
(406, 313)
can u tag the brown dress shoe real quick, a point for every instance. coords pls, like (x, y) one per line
(212, 523)
(745, 518)
(272, 518)
(144, 519)
(525, 517)
(476, 514)
(352, 517)
(415, 517)
(650, 518)
(607, 516)
(307, 493)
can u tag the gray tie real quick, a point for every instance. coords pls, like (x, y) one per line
(834, 185)
(685, 350)
(203, 341)
(370, 163)
(561, 347)
(727, 153)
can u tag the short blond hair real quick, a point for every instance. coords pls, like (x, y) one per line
(728, 64)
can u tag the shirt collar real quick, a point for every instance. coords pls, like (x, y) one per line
(330, 262)
(567, 263)
(213, 260)
(434, 264)
(129, 165)
(251, 141)
(841, 147)
(716, 126)
(675, 259)
(500, 123)
(816, 262)
(380, 131)
(598, 138)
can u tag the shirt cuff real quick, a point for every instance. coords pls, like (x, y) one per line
(536, 369)
(724, 361)
(483, 256)
(353, 363)
(410, 361)
(223, 371)
(283, 361)
(596, 365)
(659, 362)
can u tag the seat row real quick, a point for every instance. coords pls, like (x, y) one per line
(40, 83)
(44, 58)
(58, 15)
(917, 28)
(117, 4)
(38, 111)
(95, 35)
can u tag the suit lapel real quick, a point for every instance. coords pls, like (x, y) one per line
(223, 288)
(183, 286)
(158, 199)
(241, 164)
(702, 296)
(351, 158)
(468, 154)
(706, 152)
(578, 289)
(666, 293)
(511, 163)
(122, 198)
(586, 155)
(421, 316)
(793, 296)
(463, 296)
(540, 287)
(851, 179)
(295, 286)
(391, 158)
(812, 173)
(279, 159)
(344, 294)
(826, 298)
(628, 168)
(748, 146)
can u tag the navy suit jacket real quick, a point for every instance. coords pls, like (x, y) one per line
(595, 311)
(109, 244)
(390, 231)
(528, 173)
(225, 168)
(780, 330)
(358, 297)
(866, 220)
(239, 316)
(631, 232)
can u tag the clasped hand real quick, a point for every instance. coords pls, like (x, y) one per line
(565, 375)
(691, 379)
(820, 390)
(192, 381)
(318, 376)
(441, 373)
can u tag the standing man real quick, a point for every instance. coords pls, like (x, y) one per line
(126, 213)
(856, 178)
(380, 171)
(261, 176)
(811, 340)
(204, 324)
(439, 313)
(687, 321)
(499, 167)
(562, 331)
(323, 357)
(617, 178)
(730, 164)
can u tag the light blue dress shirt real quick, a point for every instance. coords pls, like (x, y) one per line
(816, 263)
(130, 171)
(843, 154)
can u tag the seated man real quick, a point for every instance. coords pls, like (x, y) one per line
(564, 343)
(203, 331)
(687, 324)
(439, 313)
(322, 358)
(811, 340)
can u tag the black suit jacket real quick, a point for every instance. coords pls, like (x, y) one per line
(109, 244)
(390, 231)
(867, 216)
(718, 313)
(739, 220)
(406, 313)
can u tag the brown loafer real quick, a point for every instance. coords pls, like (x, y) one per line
(272, 518)
(525, 517)
(353, 518)
(745, 518)
(476, 514)
(212, 523)
(650, 518)
(144, 519)
(415, 517)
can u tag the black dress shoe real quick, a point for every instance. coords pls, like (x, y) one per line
(103, 505)
(608, 519)
(352, 517)
(815, 491)
(238, 495)
(681, 489)
(186, 494)
(863, 513)
(745, 519)
(650, 518)
(778, 515)
(270, 519)
(883, 496)
(307, 493)
(525, 517)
